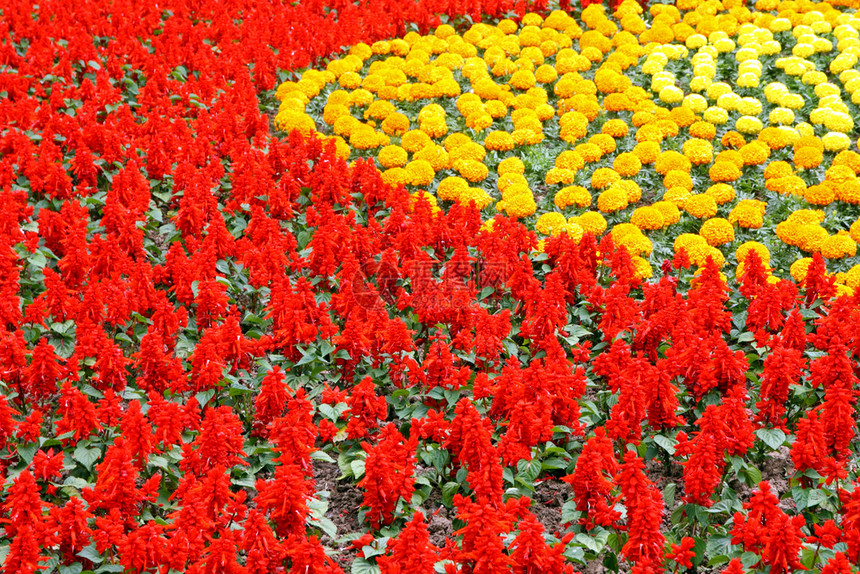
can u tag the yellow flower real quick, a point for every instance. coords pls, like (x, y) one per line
(745, 248)
(499, 141)
(511, 165)
(671, 161)
(611, 200)
(748, 215)
(573, 195)
(627, 164)
(800, 268)
(721, 192)
(838, 246)
(808, 157)
(647, 218)
(822, 194)
(396, 176)
(551, 223)
(641, 268)
(701, 206)
(415, 140)
(471, 169)
(392, 156)
(723, 171)
(451, 188)
(717, 231)
(647, 152)
(677, 178)
(601, 178)
(570, 159)
(559, 175)
(592, 222)
(698, 151)
(395, 124)
(669, 211)
(420, 172)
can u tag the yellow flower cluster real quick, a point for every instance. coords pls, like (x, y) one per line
(466, 116)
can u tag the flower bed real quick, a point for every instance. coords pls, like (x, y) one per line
(551, 292)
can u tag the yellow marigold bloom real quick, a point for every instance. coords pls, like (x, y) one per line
(611, 200)
(522, 205)
(854, 231)
(558, 175)
(749, 125)
(397, 176)
(635, 242)
(687, 240)
(631, 188)
(451, 188)
(732, 139)
(478, 120)
(721, 192)
(522, 80)
(808, 158)
(800, 268)
(420, 172)
(627, 164)
(615, 128)
(415, 140)
(717, 116)
(669, 211)
(395, 124)
(745, 248)
(812, 238)
(755, 153)
(701, 206)
(677, 178)
(698, 151)
(835, 142)
(551, 223)
(569, 159)
(511, 165)
(671, 161)
(848, 158)
(699, 254)
(602, 178)
(606, 143)
(647, 218)
(723, 171)
(392, 156)
(717, 231)
(589, 152)
(471, 150)
(573, 195)
(641, 268)
(822, 194)
(499, 141)
(849, 192)
(291, 120)
(592, 222)
(647, 152)
(778, 169)
(471, 169)
(839, 246)
(332, 112)
(678, 196)
(747, 217)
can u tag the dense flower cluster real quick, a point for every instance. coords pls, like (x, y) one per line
(448, 323)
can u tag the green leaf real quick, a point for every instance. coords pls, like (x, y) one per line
(357, 467)
(362, 566)
(815, 497)
(75, 568)
(666, 443)
(87, 456)
(90, 553)
(774, 438)
(669, 495)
